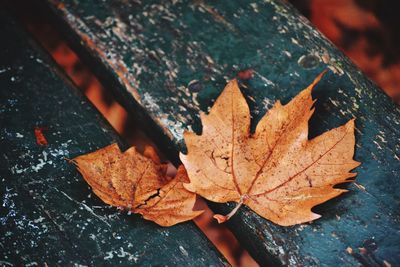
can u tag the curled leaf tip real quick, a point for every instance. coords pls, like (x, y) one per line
(220, 218)
(317, 79)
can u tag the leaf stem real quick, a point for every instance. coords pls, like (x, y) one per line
(223, 218)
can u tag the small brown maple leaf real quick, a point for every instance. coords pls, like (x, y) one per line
(276, 171)
(138, 183)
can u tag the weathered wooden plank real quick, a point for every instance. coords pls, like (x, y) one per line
(171, 60)
(48, 214)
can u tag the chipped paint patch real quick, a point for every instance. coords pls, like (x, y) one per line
(266, 81)
(175, 128)
(86, 207)
(184, 251)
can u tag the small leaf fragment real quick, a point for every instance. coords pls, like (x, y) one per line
(40, 138)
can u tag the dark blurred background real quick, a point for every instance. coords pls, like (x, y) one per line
(367, 31)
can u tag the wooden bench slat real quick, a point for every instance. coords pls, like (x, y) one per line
(48, 213)
(151, 53)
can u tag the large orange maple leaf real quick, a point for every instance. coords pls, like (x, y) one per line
(276, 171)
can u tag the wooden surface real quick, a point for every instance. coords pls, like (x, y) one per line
(48, 214)
(169, 61)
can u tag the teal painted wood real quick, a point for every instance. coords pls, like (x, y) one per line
(169, 61)
(48, 213)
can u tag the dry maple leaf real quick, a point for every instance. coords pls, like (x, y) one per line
(276, 171)
(138, 183)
